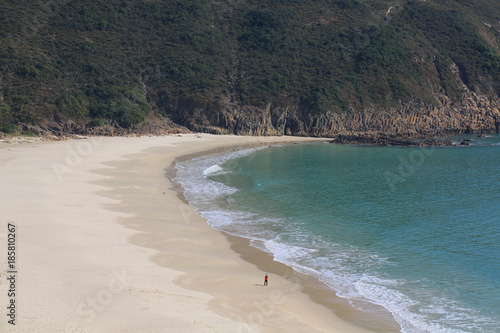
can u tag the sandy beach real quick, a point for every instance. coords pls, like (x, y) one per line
(104, 243)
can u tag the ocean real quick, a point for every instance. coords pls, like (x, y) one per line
(413, 229)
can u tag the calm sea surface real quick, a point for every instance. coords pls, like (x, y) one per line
(416, 230)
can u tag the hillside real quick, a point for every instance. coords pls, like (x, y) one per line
(308, 67)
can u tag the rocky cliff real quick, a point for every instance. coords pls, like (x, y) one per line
(475, 114)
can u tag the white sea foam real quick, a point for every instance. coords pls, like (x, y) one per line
(290, 255)
(192, 175)
(423, 311)
(213, 170)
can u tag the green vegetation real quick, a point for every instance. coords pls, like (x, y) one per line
(101, 62)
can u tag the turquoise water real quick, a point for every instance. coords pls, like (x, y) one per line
(416, 230)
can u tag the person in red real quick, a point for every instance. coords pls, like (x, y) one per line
(265, 281)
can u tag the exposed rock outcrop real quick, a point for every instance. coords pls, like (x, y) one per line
(475, 114)
(388, 141)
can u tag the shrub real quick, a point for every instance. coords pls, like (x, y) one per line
(10, 128)
(72, 105)
(130, 110)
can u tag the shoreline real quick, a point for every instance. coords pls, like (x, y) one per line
(379, 320)
(106, 245)
(320, 293)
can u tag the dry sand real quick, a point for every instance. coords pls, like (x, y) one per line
(104, 243)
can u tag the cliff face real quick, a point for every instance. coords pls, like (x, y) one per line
(475, 114)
